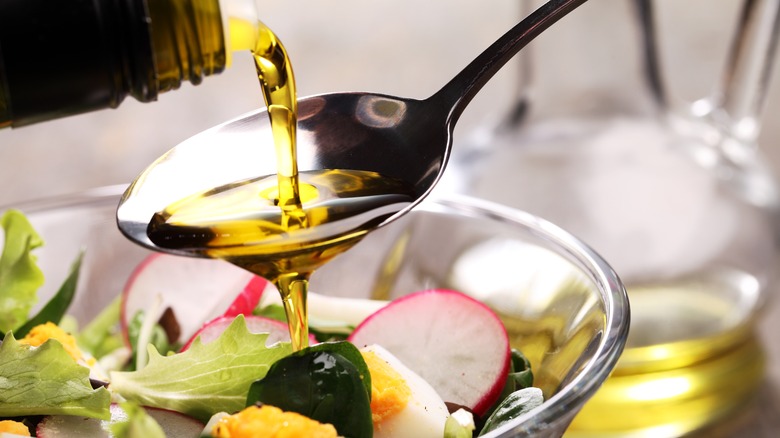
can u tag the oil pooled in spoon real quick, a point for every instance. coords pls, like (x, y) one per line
(284, 226)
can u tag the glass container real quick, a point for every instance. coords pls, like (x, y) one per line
(561, 303)
(677, 197)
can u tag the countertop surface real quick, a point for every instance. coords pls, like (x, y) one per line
(402, 47)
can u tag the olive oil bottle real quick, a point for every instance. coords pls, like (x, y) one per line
(65, 57)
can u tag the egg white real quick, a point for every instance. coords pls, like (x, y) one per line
(424, 416)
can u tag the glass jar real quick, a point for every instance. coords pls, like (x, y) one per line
(677, 198)
(68, 57)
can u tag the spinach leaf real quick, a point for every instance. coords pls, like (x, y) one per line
(323, 334)
(520, 374)
(55, 309)
(322, 383)
(519, 377)
(353, 355)
(517, 404)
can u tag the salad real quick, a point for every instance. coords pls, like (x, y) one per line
(195, 347)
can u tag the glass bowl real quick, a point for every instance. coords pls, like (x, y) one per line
(562, 304)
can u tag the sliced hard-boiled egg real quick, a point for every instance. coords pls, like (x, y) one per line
(269, 422)
(402, 403)
(41, 333)
(11, 428)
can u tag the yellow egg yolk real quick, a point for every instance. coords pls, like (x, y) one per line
(389, 391)
(15, 427)
(270, 422)
(42, 333)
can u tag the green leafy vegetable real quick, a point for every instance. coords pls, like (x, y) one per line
(205, 379)
(272, 311)
(517, 404)
(352, 354)
(323, 331)
(45, 380)
(20, 277)
(138, 424)
(322, 384)
(454, 428)
(330, 334)
(102, 336)
(55, 309)
(157, 338)
(520, 375)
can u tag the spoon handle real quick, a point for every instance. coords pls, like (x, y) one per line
(457, 93)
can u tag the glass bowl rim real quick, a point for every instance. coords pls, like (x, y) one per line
(610, 287)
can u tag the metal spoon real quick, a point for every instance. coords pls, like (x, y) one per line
(407, 139)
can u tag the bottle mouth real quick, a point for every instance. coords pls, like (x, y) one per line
(240, 22)
(187, 41)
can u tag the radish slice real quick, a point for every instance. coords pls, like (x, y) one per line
(247, 300)
(197, 290)
(457, 344)
(174, 424)
(277, 331)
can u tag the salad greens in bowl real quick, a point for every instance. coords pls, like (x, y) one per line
(462, 319)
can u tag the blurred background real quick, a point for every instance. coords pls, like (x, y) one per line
(399, 47)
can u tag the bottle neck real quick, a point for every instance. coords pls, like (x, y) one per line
(70, 56)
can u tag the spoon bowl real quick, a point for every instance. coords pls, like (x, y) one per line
(405, 139)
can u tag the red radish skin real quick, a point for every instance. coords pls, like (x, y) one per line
(277, 331)
(174, 424)
(454, 342)
(197, 290)
(247, 300)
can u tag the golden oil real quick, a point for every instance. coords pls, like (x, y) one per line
(284, 226)
(671, 386)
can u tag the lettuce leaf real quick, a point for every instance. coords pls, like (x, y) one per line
(205, 379)
(20, 277)
(45, 380)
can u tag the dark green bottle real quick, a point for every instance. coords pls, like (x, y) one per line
(65, 57)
